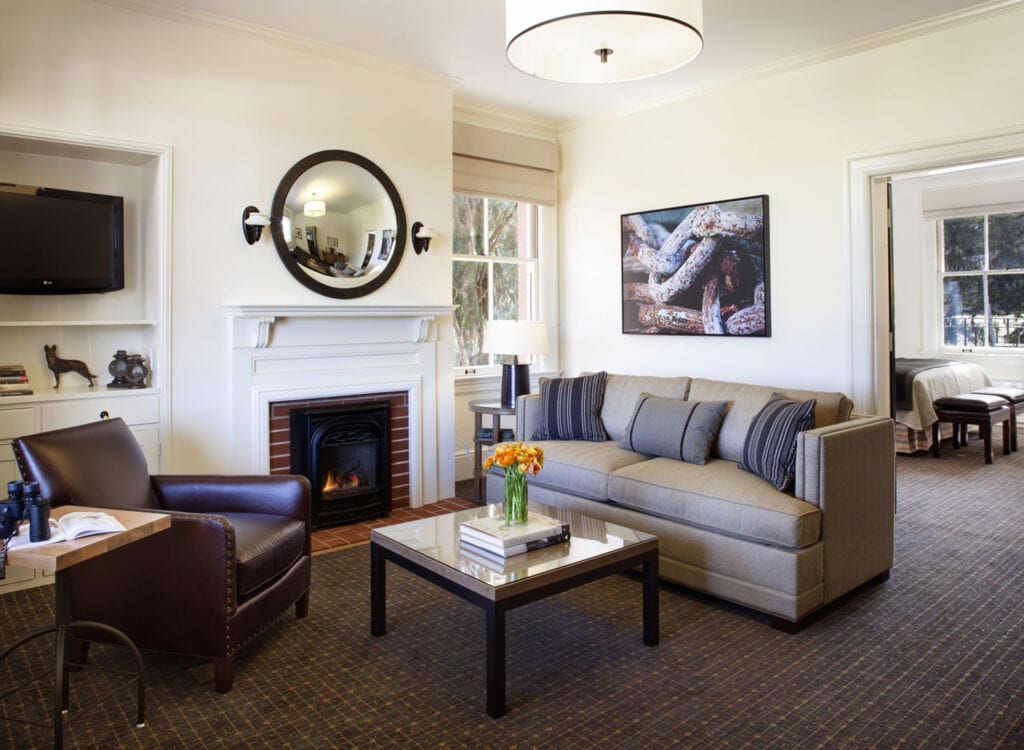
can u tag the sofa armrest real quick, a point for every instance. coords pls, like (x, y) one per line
(280, 495)
(527, 416)
(849, 471)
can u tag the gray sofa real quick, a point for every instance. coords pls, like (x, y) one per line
(723, 530)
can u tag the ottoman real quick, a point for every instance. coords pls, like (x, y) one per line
(1016, 398)
(981, 409)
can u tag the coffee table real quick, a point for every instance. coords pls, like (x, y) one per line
(430, 548)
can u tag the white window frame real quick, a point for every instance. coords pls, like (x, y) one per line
(542, 290)
(985, 274)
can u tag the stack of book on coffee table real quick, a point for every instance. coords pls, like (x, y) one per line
(491, 536)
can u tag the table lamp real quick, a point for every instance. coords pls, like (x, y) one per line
(515, 337)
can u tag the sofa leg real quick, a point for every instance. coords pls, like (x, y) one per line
(786, 626)
(224, 673)
(302, 605)
(880, 578)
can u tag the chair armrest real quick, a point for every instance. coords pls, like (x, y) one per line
(527, 416)
(849, 471)
(193, 560)
(280, 495)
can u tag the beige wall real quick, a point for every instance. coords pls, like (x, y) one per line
(238, 111)
(790, 136)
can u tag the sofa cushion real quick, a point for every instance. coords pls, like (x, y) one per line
(570, 408)
(265, 547)
(747, 400)
(718, 496)
(622, 391)
(580, 467)
(684, 430)
(770, 447)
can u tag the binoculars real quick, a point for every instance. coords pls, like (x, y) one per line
(23, 501)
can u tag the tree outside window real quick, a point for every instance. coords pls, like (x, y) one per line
(983, 281)
(494, 270)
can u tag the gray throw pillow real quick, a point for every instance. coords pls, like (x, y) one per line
(570, 408)
(770, 447)
(683, 430)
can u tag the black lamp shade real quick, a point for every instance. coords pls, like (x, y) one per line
(515, 381)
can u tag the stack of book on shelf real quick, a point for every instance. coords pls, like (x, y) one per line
(14, 381)
(505, 435)
(491, 536)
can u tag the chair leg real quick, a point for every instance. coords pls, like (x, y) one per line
(302, 605)
(224, 673)
(935, 440)
(1006, 438)
(78, 653)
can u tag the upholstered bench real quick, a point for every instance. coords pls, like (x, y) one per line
(1016, 398)
(981, 409)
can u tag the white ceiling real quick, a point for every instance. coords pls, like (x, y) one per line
(466, 39)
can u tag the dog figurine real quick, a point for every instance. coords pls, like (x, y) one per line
(58, 366)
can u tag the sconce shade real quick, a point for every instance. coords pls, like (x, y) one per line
(421, 237)
(252, 224)
(314, 207)
(602, 41)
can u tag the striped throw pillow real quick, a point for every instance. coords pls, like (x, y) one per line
(673, 428)
(770, 448)
(570, 408)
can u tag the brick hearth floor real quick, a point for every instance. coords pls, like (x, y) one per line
(337, 537)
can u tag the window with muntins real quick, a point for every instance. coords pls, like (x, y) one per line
(982, 279)
(495, 272)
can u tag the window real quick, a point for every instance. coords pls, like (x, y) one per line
(495, 271)
(982, 276)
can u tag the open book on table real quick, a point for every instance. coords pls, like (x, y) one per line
(70, 526)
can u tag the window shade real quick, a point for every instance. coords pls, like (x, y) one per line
(973, 199)
(503, 165)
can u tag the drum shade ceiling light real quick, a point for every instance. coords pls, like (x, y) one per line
(314, 207)
(601, 41)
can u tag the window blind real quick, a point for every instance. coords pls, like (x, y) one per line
(504, 165)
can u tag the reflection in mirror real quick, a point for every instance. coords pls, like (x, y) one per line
(338, 224)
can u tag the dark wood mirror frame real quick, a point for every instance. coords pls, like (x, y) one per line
(281, 242)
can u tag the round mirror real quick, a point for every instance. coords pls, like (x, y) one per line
(338, 224)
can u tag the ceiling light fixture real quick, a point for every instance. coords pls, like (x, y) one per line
(314, 207)
(602, 41)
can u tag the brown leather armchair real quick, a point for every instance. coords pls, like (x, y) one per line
(236, 556)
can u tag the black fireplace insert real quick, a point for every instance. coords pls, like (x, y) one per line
(345, 451)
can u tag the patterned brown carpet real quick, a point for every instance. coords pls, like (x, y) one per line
(932, 659)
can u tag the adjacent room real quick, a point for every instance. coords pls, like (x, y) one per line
(683, 338)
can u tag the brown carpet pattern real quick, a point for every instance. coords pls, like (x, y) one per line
(934, 658)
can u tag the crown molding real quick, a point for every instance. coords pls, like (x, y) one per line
(281, 38)
(505, 121)
(805, 60)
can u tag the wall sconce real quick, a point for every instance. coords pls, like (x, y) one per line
(421, 237)
(252, 224)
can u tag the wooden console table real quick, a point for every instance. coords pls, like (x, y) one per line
(58, 558)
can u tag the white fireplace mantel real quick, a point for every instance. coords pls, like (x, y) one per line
(295, 352)
(253, 325)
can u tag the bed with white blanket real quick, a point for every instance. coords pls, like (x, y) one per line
(914, 421)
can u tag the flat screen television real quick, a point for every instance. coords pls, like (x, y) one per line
(60, 241)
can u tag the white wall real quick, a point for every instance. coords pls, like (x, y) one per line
(789, 136)
(238, 111)
(918, 300)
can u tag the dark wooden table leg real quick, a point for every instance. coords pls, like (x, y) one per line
(478, 462)
(651, 603)
(1006, 437)
(378, 591)
(986, 434)
(935, 439)
(495, 661)
(62, 620)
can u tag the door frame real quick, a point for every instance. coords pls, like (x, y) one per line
(870, 280)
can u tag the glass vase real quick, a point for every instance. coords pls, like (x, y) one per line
(515, 498)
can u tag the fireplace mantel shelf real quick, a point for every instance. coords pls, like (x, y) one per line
(253, 323)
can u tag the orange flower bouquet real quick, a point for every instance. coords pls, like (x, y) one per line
(518, 460)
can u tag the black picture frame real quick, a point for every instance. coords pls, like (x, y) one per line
(697, 270)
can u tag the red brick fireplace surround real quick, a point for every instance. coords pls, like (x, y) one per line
(280, 438)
